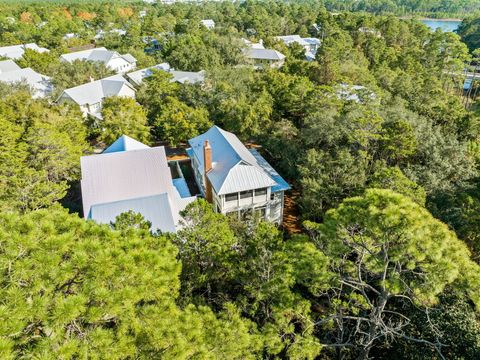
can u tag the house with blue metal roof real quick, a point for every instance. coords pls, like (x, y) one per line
(236, 180)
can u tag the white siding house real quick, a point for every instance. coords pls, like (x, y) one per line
(90, 96)
(236, 180)
(113, 60)
(130, 175)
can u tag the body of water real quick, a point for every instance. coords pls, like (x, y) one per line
(445, 25)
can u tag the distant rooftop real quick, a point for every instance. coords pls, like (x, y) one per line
(15, 52)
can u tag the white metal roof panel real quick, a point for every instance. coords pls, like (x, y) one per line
(16, 51)
(93, 92)
(264, 54)
(156, 209)
(8, 65)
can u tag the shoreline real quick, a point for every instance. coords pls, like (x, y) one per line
(430, 19)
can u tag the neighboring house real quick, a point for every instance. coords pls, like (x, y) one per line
(262, 58)
(70, 36)
(112, 59)
(11, 73)
(252, 45)
(370, 31)
(136, 77)
(15, 52)
(130, 175)
(208, 23)
(356, 93)
(310, 45)
(101, 34)
(90, 96)
(234, 179)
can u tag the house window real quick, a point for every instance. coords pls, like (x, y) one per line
(246, 194)
(260, 212)
(272, 196)
(261, 192)
(231, 197)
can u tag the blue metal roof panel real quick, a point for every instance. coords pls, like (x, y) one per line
(182, 187)
(282, 185)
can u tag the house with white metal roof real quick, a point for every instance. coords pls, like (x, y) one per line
(182, 77)
(130, 175)
(15, 52)
(90, 96)
(261, 58)
(112, 59)
(208, 23)
(11, 73)
(310, 45)
(236, 180)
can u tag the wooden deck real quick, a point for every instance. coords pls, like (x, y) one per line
(291, 215)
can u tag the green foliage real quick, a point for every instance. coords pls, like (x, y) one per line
(131, 220)
(41, 145)
(73, 288)
(179, 122)
(394, 179)
(469, 31)
(67, 75)
(121, 116)
(250, 265)
(384, 249)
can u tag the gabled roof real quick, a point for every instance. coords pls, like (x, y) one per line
(235, 168)
(95, 91)
(136, 179)
(252, 45)
(16, 51)
(288, 39)
(138, 75)
(98, 54)
(40, 84)
(264, 54)
(178, 76)
(155, 208)
(8, 65)
(190, 77)
(125, 143)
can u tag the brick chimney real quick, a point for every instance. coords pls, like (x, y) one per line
(207, 166)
